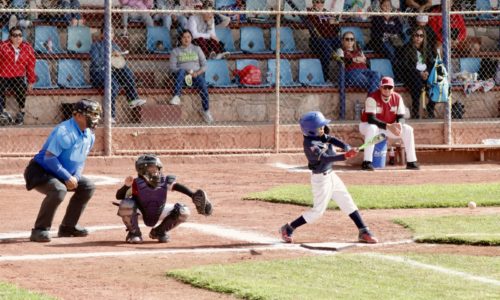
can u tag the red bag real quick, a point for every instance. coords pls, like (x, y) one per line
(249, 75)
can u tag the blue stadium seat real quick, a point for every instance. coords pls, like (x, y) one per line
(252, 40)
(79, 39)
(484, 5)
(224, 3)
(470, 64)
(257, 5)
(19, 4)
(158, 40)
(242, 63)
(287, 41)
(44, 34)
(217, 74)
(43, 78)
(286, 78)
(225, 36)
(70, 74)
(300, 5)
(384, 67)
(311, 73)
(358, 34)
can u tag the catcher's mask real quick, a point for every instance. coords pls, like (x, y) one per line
(311, 122)
(148, 167)
(91, 110)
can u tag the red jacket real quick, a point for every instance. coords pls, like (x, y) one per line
(457, 23)
(25, 65)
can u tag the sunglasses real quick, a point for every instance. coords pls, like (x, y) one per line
(349, 39)
(387, 87)
(16, 35)
(418, 35)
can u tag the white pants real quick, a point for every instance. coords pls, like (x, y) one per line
(371, 130)
(325, 188)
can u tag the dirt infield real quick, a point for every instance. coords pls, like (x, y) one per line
(103, 266)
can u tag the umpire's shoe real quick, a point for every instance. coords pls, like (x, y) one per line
(367, 166)
(156, 234)
(68, 231)
(39, 236)
(286, 233)
(365, 236)
(412, 165)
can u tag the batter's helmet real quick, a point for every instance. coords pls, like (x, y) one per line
(310, 123)
(91, 109)
(141, 166)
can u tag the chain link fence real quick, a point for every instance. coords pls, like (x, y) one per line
(235, 76)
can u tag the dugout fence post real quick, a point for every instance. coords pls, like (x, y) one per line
(445, 11)
(277, 81)
(108, 137)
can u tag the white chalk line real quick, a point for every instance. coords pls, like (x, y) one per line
(17, 179)
(435, 268)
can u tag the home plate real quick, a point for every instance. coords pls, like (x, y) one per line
(330, 246)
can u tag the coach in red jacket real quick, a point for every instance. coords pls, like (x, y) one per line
(384, 113)
(17, 65)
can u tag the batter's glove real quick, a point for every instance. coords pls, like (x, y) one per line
(203, 205)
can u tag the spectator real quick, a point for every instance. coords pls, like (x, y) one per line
(167, 19)
(119, 76)
(458, 31)
(418, 5)
(358, 6)
(384, 113)
(386, 33)
(324, 32)
(57, 169)
(185, 60)
(413, 66)
(357, 72)
(18, 19)
(73, 19)
(422, 21)
(143, 16)
(17, 70)
(187, 5)
(202, 27)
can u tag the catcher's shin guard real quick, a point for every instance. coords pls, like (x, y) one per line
(128, 212)
(178, 215)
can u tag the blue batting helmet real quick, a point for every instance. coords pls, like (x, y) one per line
(311, 121)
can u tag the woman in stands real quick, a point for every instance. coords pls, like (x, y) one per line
(202, 28)
(143, 16)
(357, 73)
(386, 32)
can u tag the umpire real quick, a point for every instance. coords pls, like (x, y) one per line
(57, 169)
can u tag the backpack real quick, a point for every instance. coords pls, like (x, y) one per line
(439, 87)
(249, 75)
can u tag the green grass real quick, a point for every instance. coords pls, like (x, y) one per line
(470, 230)
(390, 196)
(12, 292)
(345, 276)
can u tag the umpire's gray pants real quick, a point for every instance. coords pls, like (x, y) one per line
(55, 192)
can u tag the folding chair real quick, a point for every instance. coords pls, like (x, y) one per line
(70, 74)
(252, 40)
(158, 40)
(286, 78)
(79, 39)
(217, 74)
(311, 73)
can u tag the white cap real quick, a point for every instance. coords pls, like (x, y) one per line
(423, 19)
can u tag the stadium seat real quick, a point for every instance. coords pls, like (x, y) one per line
(287, 41)
(286, 78)
(470, 64)
(311, 73)
(217, 74)
(79, 39)
(297, 5)
(252, 40)
(256, 5)
(225, 36)
(219, 4)
(384, 67)
(70, 74)
(45, 35)
(358, 34)
(485, 5)
(242, 63)
(43, 78)
(158, 40)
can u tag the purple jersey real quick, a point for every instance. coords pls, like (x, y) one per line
(150, 201)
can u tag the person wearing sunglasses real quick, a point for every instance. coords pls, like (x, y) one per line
(357, 73)
(17, 70)
(413, 65)
(384, 113)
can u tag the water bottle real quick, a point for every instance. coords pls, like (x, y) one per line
(392, 157)
(357, 110)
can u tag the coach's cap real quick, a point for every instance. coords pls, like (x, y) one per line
(387, 81)
(423, 19)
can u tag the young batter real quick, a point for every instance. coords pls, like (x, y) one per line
(326, 185)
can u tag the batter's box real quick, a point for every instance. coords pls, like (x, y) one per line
(330, 246)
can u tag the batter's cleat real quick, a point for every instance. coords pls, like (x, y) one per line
(162, 237)
(365, 236)
(68, 231)
(134, 238)
(39, 236)
(367, 166)
(412, 165)
(286, 233)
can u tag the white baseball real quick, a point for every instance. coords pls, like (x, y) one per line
(471, 205)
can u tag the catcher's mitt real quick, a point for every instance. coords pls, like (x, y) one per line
(203, 205)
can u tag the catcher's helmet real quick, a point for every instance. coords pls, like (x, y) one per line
(142, 164)
(310, 123)
(91, 109)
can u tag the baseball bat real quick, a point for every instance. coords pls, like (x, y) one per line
(374, 140)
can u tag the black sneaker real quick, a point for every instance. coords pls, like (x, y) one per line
(39, 236)
(412, 165)
(134, 238)
(67, 231)
(162, 237)
(367, 166)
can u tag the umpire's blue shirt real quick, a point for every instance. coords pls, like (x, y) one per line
(70, 145)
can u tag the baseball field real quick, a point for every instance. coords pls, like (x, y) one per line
(432, 246)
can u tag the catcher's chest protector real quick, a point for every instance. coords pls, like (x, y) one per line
(151, 201)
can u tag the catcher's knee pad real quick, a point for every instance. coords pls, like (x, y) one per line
(183, 211)
(128, 211)
(178, 215)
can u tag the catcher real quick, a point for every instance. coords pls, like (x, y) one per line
(147, 194)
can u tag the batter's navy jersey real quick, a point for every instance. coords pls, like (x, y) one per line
(321, 154)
